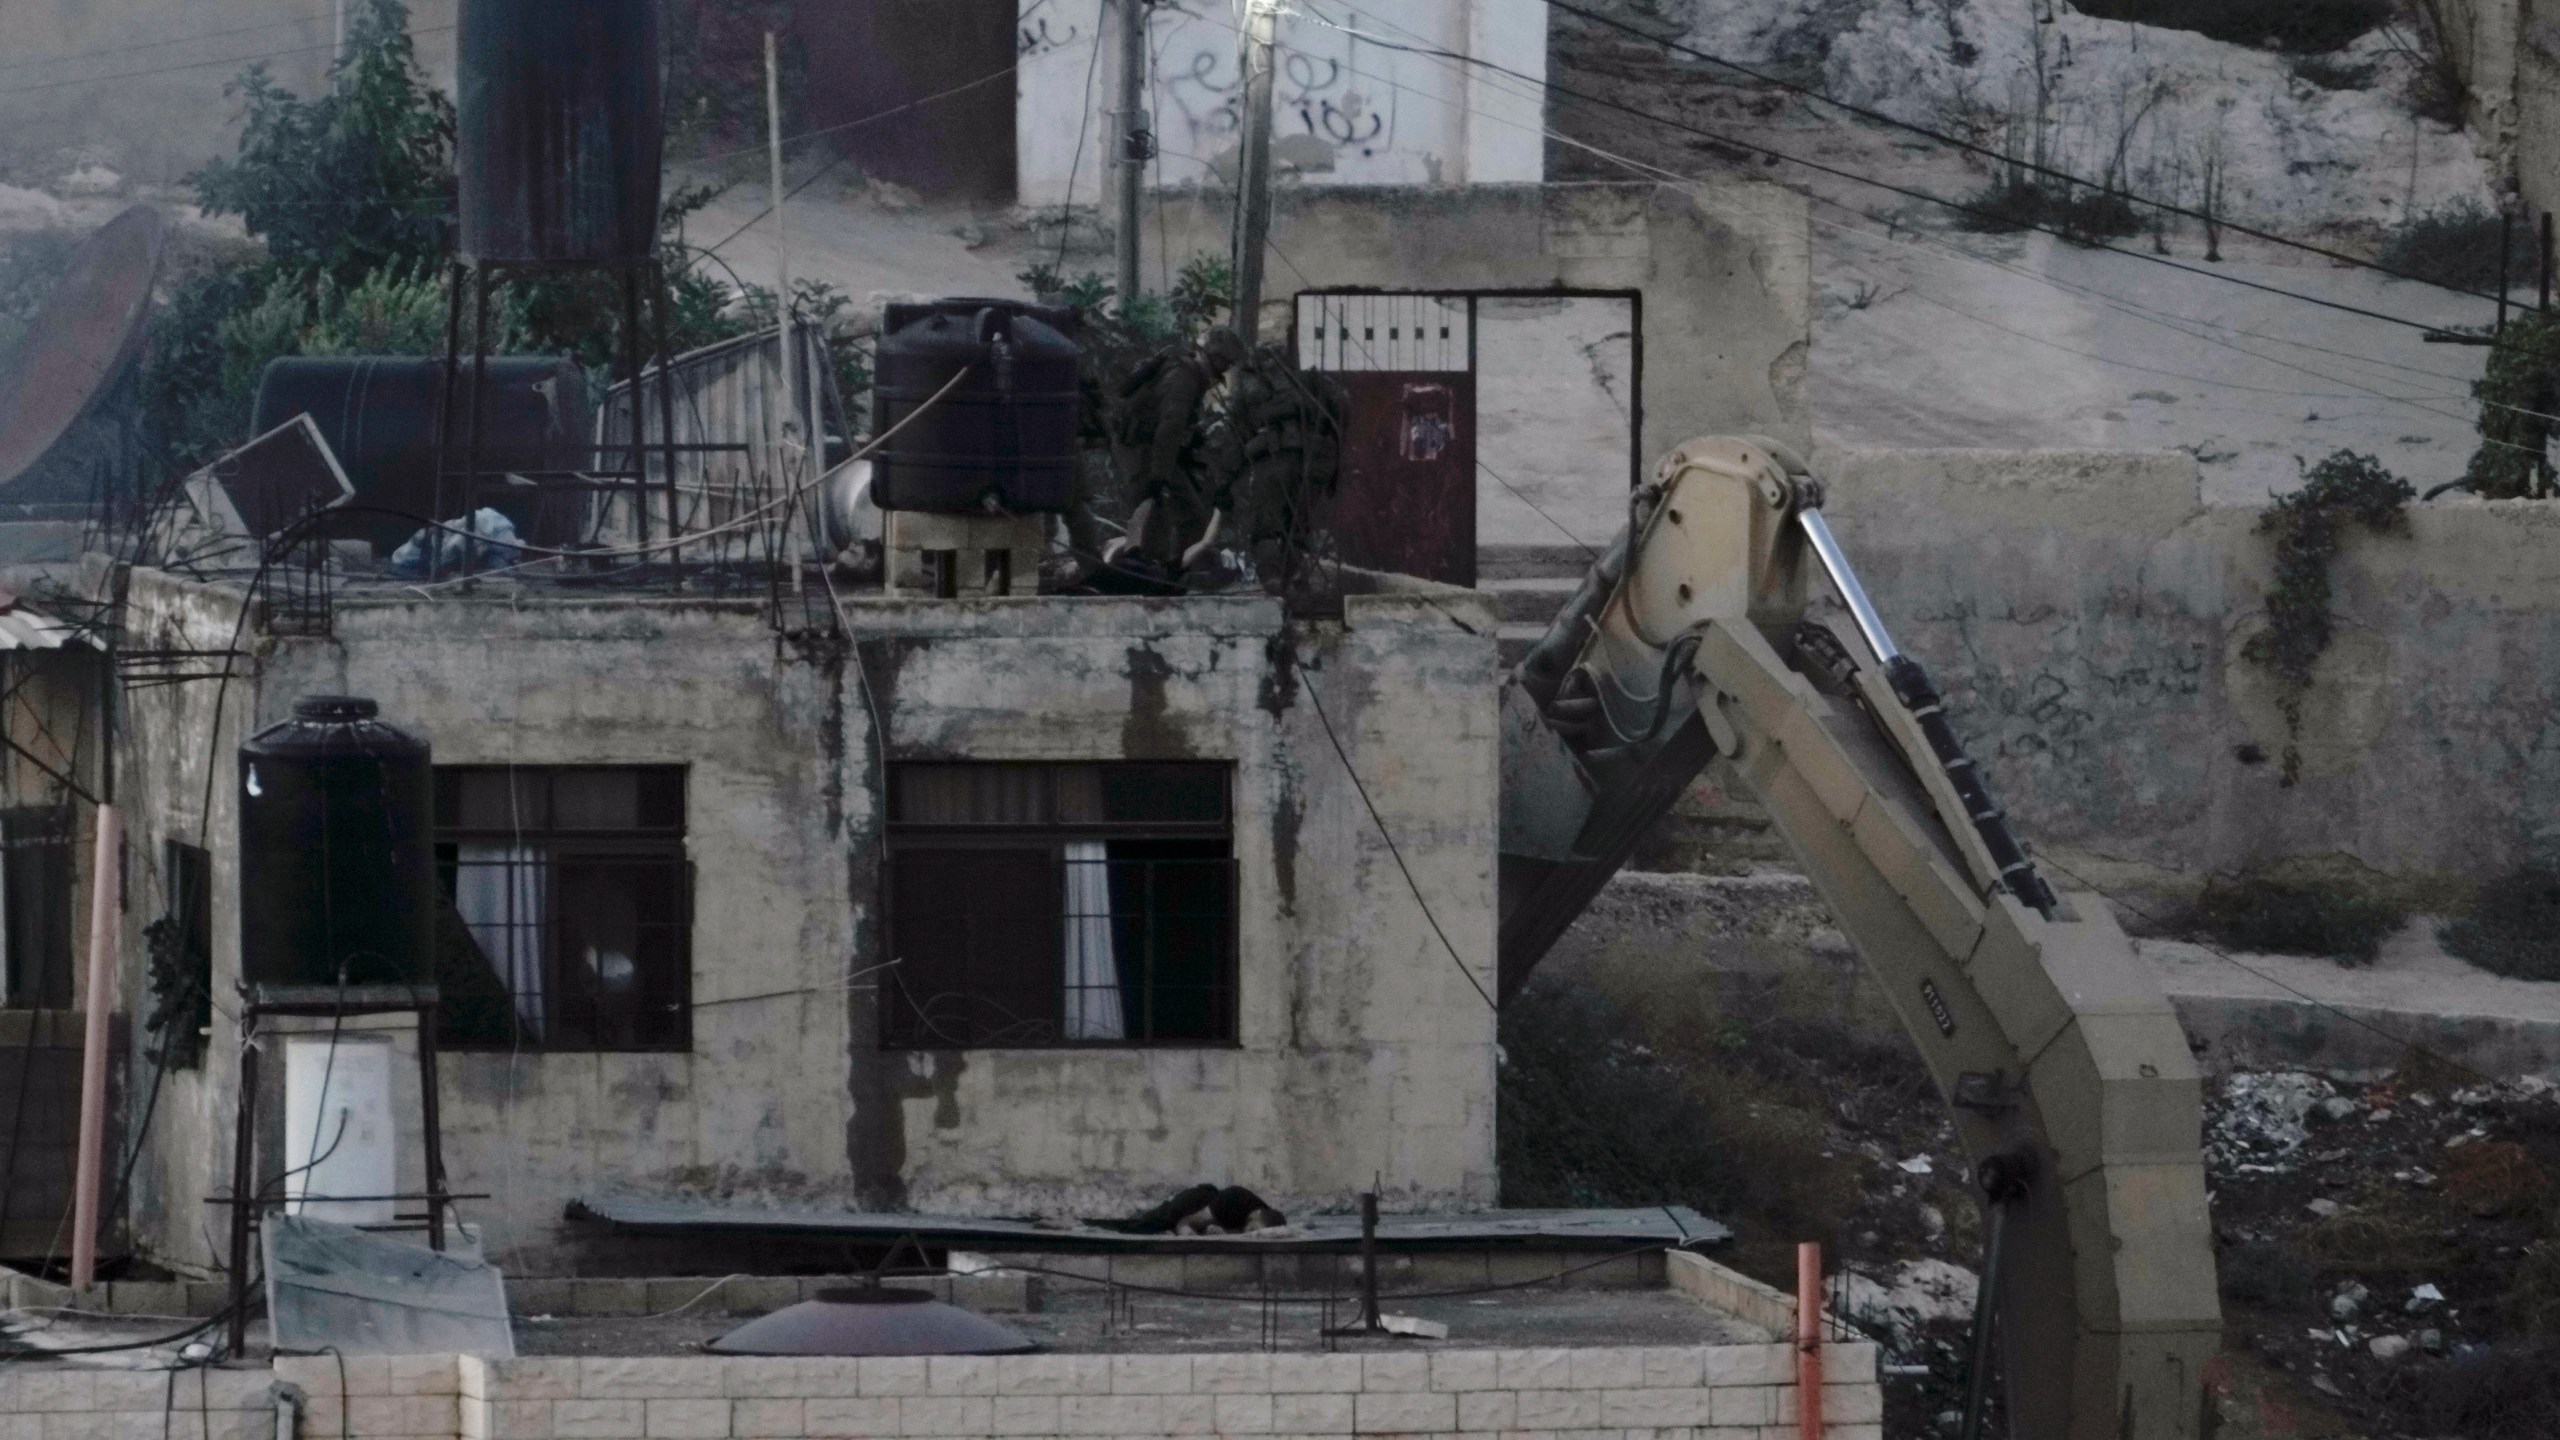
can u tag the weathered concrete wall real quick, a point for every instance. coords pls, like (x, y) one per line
(137, 85)
(1363, 1050)
(2508, 53)
(2086, 615)
(1724, 268)
(1347, 107)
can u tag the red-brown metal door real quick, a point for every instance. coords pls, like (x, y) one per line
(1407, 496)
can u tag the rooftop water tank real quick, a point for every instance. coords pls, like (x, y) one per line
(1004, 438)
(337, 857)
(558, 130)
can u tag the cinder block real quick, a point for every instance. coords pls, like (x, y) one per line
(692, 1294)
(767, 1419)
(757, 1294)
(609, 1297)
(1393, 1412)
(1311, 1414)
(541, 1297)
(1111, 1415)
(1861, 1430)
(1403, 1370)
(1150, 1374)
(1053, 1375)
(946, 1415)
(668, 1377)
(1462, 1370)
(1743, 1405)
(507, 1419)
(425, 1375)
(405, 1415)
(1853, 1403)
(133, 1390)
(1241, 1414)
(1674, 1367)
(1303, 1374)
(1559, 1409)
(207, 1297)
(1488, 1410)
(148, 1297)
(1190, 1414)
(598, 1419)
(845, 1415)
(548, 1377)
(830, 1377)
(37, 1389)
(1615, 1368)
(961, 1375)
(237, 1425)
(1026, 1415)
(1542, 1369)
(688, 1419)
(1849, 1361)
(1655, 1409)
(893, 1375)
(1750, 1364)
(1231, 1374)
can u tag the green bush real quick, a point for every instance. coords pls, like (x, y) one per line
(2295, 25)
(2307, 527)
(2456, 246)
(2076, 212)
(2517, 390)
(2298, 916)
(2513, 929)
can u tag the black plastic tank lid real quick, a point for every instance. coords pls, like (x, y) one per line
(335, 707)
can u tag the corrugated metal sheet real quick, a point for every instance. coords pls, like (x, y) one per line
(22, 628)
(725, 394)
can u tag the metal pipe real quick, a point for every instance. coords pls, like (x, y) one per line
(1835, 563)
(1132, 165)
(106, 900)
(1809, 1340)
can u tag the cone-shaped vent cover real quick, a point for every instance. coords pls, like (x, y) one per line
(872, 1321)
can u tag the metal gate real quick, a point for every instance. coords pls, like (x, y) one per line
(1406, 499)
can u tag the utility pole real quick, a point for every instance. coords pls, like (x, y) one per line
(785, 470)
(1135, 142)
(1253, 174)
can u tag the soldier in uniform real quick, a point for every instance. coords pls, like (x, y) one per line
(1156, 447)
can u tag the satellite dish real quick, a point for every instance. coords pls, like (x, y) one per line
(89, 327)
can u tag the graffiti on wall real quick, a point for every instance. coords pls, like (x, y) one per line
(1330, 88)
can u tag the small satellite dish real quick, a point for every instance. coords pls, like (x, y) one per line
(88, 329)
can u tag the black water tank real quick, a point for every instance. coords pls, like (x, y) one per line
(558, 129)
(378, 413)
(337, 850)
(1006, 434)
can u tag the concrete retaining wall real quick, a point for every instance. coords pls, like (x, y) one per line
(2086, 616)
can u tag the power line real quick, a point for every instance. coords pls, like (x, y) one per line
(197, 65)
(102, 50)
(1838, 172)
(1971, 147)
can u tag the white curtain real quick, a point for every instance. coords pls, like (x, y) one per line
(501, 891)
(1093, 971)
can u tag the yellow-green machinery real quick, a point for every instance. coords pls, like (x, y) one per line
(2070, 1080)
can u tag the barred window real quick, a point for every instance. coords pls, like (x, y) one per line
(1059, 904)
(567, 921)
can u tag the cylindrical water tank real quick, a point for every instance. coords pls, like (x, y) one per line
(558, 129)
(339, 1138)
(1004, 438)
(378, 413)
(337, 853)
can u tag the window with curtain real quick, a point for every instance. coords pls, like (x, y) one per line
(567, 915)
(1059, 904)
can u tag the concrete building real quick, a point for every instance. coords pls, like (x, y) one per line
(775, 917)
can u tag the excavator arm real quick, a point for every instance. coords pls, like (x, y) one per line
(2071, 1083)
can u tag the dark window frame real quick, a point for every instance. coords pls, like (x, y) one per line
(903, 1026)
(182, 941)
(37, 855)
(568, 849)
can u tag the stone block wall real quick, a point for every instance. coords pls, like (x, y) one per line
(1695, 1392)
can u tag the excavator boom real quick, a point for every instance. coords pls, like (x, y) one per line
(2068, 1075)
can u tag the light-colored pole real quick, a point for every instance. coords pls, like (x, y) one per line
(1253, 175)
(1809, 1340)
(1133, 129)
(106, 900)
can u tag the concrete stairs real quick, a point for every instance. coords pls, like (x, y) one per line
(1530, 584)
